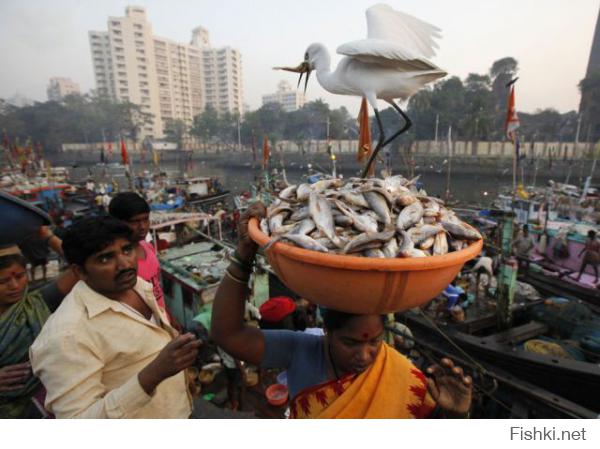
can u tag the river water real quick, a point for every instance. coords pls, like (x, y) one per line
(467, 186)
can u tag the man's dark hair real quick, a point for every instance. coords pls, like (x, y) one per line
(591, 234)
(334, 319)
(91, 235)
(126, 205)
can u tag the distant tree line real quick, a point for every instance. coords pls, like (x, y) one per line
(475, 108)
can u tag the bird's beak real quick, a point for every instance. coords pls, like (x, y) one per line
(303, 68)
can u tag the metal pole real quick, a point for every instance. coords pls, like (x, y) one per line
(239, 136)
(449, 163)
(437, 122)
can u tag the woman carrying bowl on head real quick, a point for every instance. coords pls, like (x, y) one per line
(350, 372)
(22, 315)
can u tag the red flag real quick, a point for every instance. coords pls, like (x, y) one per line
(124, 152)
(364, 135)
(512, 119)
(266, 152)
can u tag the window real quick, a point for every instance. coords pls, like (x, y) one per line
(115, 23)
(140, 35)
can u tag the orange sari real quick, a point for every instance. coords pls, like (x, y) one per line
(392, 387)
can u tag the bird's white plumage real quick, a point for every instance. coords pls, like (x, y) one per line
(390, 64)
(395, 39)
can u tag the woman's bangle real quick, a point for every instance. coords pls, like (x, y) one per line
(244, 266)
(235, 278)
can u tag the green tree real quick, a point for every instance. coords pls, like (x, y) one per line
(175, 131)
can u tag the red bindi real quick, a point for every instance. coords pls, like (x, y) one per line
(365, 336)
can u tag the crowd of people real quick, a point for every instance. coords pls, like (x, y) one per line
(99, 342)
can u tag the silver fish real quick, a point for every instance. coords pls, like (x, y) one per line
(374, 253)
(304, 227)
(457, 245)
(355, 199)
(300, 214)
(379, 205)
(419, 234)
(275, 222)
(365, 238)
(407, 247)
(390, 249)
(302, 192)
(326, 243)
(409, 216)
(427, 243)
(324, 184)
(404, 199)
(284, 229)
(432, 209)
(264, 226)
(440, 246)
(305, 242)
(361, 222)
(320, 212)
(281, 207)
(461, 231)
(289, 193)
(343, 220)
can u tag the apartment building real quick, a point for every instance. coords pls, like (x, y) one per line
(291, 100)
(170, 80)
(58, 88)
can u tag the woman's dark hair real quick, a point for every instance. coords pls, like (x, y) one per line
(91, 235)
(334, 319)
(11, 259)
(591, 234)
(126, 205)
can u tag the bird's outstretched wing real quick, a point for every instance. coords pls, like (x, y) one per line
(395, 38)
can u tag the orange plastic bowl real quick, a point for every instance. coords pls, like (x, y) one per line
(359, 284)
(277, 394)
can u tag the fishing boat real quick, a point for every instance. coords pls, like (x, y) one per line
(548, 341)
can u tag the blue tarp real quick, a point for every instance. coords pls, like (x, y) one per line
(166, 206)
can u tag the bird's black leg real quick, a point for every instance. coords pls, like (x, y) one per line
(407, 123)
(380, 144)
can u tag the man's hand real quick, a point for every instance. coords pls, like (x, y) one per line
(450, 388)
(176, 356)
(13, 377)
(246, 246)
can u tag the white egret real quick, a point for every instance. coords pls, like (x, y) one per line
(391, 63)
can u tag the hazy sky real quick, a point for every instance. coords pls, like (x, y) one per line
(551, 39)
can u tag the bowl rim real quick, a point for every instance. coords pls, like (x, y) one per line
(364, 263)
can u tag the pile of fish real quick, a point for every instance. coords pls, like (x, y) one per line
(366, 217)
